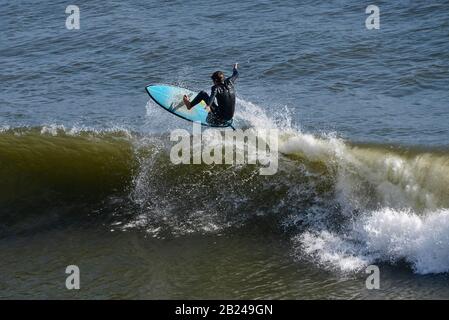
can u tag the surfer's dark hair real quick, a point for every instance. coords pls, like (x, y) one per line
(218, 76)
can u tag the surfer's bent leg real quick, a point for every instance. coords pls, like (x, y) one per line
(201, 96)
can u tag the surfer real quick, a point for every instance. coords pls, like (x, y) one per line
(222, 90)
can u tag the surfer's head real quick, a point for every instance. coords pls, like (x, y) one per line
(218, 77)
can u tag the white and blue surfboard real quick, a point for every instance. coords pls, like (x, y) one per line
(170, 98)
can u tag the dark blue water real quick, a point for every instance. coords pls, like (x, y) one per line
(364, 118)
(316, 58)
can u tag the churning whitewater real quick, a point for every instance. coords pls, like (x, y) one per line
(343, 205)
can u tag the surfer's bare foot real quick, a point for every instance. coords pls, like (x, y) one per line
(187, 102)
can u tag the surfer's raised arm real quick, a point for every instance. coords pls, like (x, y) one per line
(235, 73)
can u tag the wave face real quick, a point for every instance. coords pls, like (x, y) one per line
(343, 205)
(50, 162)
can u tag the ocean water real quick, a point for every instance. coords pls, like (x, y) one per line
(363, 177)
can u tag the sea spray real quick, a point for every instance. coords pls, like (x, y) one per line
(344, 205)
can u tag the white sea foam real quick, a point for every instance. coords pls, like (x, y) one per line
(386, 235)
(412, 191)
(413, 222)
(52, 129)
(75, 130)
(4, 128)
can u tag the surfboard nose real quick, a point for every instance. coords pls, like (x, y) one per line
(156, 90)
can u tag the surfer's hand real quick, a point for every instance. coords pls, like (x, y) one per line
(207, 108)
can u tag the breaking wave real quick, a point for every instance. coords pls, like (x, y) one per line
(344, 205)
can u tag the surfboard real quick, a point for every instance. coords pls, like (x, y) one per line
(170, 98)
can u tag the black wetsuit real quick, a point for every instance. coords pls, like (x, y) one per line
(223, 110)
